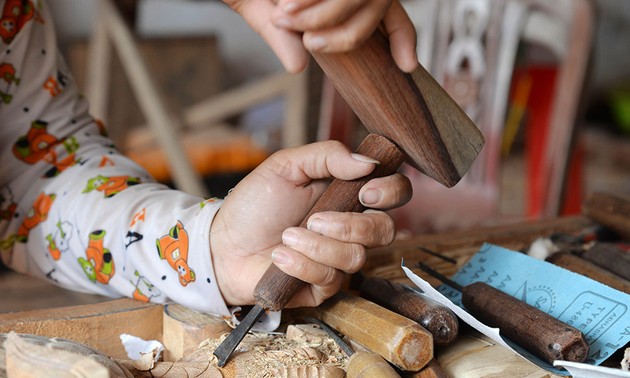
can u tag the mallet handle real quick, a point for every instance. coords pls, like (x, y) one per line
(276, 288)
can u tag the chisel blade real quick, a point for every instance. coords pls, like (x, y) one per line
(333, 335)
(229, 344)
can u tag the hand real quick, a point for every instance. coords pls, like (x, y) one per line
(255, 224)
(291, 27)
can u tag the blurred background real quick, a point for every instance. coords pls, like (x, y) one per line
(548, 83)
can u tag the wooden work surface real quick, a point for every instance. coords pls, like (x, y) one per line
(99, 323)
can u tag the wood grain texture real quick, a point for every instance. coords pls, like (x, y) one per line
(275, 289)
(586, 268)
(433, 316)
(534, 330)
(432, 370)
(610, 257)
(97, 325)
(163, 369)
(475, 355)
(184, 329)
(24, 355)
(397, 339)
(610, 211)
(412, 110)
(368, 364)
(461, 245)
(24, 360)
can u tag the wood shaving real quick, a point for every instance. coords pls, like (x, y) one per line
(279, 354)
(625, 363)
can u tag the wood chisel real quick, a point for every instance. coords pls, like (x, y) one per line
(535, 330)
(436, 318)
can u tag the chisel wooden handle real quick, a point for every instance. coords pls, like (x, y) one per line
(610, 211)
(610, 257)
(276, 288)
(588, 269)
(534, 330)
(396, 338)
(436, 318)
(413, 110)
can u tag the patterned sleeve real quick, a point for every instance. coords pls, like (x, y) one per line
(74, 211)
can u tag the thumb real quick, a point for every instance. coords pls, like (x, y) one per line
(320, 160)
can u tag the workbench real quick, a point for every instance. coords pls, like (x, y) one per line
(99, 323)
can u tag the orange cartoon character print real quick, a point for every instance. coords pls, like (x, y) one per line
(58, 241)
(99, 263)
(35, 215)
(7, 74)
(59, 165)
(36, 144)
(110, 186)
(174, 249)
(144, 289)
(15, 14)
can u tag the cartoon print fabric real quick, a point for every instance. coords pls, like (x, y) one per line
(74, 211)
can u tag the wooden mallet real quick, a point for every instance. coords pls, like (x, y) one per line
(410, 117)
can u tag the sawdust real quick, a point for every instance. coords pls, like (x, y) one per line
(272, 354)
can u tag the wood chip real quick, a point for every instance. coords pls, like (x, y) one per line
(303, 351)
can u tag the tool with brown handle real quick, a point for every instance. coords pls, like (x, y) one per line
(613, 257)
(535, 330)
(435, 317)
(588, 269)
(408, 112)
(611, 211)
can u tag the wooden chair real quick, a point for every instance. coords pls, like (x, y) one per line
(111, 29)
(470, 47)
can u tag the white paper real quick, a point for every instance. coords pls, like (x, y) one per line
(143, 353)
(578, 370)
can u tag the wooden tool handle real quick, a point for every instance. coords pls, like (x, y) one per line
(396, 338)
(412, 110)
(368, 364)
(588, 269)
(610, 257)
(610, 211)
(534, 330)
(276, 288)
(436, 318)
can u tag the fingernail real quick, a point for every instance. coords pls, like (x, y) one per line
(316, 43)
(282, 23)
(290, 7)
(364, 158)
(289, 238)
(280, 257)
(371, 196)
(316, 225)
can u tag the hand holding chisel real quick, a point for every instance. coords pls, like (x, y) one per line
(411, 117)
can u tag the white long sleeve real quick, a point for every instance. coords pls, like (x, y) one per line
(74, 211)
